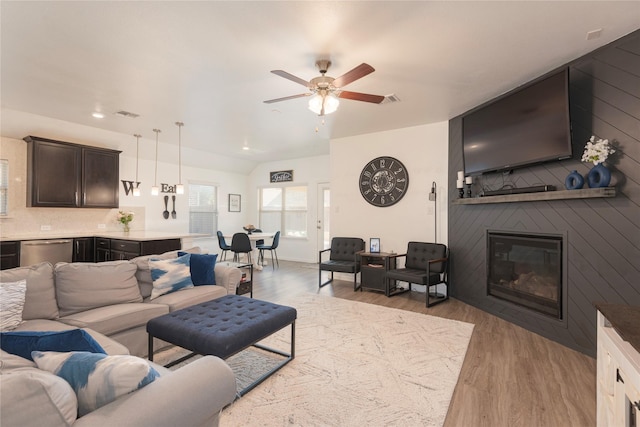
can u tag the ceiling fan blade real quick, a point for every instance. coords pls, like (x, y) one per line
(357, 96)
(353, 75)
(271, 101)
(291, 77)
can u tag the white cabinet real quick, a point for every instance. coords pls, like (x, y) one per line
(618, 385)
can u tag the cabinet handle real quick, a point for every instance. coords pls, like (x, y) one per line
(76, 197)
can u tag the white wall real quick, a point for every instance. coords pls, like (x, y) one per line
(424, 151)
(309, 172)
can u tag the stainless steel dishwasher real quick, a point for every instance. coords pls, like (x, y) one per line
(52, 250)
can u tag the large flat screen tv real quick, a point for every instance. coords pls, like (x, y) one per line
(526, 126)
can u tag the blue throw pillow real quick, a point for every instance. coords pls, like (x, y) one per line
(22, 343)
(170, 275)
(202, 266)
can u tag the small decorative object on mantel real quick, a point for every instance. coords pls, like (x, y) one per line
(574, 181)
(460, 184)
(597, 151)
(125, 218)
(460, 187)
(468, 180)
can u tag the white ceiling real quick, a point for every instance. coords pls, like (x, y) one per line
(208, 63)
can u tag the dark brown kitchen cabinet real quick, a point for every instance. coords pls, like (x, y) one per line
(9, 255)
(121, 249)
(63, 174)
(103, 249)
(83, 249)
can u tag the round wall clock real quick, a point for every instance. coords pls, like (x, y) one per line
(384, 181)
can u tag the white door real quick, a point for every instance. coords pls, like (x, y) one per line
(324, 209)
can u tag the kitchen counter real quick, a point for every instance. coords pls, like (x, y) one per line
(132, 235)
(625, 320)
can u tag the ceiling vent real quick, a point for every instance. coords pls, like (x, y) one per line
(128, 114)
(388, 99)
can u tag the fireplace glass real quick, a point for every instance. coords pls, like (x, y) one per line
(526, 269)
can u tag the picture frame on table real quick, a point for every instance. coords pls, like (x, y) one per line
(374, 245)
(234, 202)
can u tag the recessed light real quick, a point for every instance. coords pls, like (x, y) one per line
(98, 115)
(245, 148)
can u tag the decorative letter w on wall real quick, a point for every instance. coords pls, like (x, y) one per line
(129, 186)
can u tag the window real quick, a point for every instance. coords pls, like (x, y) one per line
(203, 208)
(4, 186)
(284, 209)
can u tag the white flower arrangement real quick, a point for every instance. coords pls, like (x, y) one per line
(597, 151)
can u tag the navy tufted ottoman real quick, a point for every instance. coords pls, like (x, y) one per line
(223, 327)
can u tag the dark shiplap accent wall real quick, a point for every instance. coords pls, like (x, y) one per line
(602, 235)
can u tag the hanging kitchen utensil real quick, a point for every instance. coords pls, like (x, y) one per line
(173, 212)
(165, 214)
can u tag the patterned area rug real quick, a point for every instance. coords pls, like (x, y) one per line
(356, 364)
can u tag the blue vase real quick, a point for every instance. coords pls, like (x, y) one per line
(574, 181)
(599, 176)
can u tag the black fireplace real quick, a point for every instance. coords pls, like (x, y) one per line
(526, 269)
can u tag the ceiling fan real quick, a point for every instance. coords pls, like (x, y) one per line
(325, 90)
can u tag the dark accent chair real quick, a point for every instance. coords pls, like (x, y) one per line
(272, 248)
(343, 258)
(425, 264)
(223, 245)
(241, 244)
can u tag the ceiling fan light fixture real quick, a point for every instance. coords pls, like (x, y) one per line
(329, 101)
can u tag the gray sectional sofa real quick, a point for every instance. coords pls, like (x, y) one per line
(111, 298)
(111, 301)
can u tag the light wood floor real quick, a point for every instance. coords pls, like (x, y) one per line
(510, 376)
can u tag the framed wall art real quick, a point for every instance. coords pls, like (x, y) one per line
(234, 203)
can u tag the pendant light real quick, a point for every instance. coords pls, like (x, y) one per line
(155, 190)
(136, 190)
(179, 187)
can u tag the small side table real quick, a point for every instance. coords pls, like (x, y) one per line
(373, 271)
(246, 283)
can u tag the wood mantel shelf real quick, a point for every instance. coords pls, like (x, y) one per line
(588, 193)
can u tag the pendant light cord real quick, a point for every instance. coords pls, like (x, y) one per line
(155, 180)
(179, 124)
(137, 153)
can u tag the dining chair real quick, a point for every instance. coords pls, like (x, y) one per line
(241, 244)
(272, 248)
(224, 247)
(261, 241)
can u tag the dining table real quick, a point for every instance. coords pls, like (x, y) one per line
(253, 238)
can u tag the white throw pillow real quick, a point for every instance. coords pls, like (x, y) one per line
(96, 378)
(170, 275)
(11, 304)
